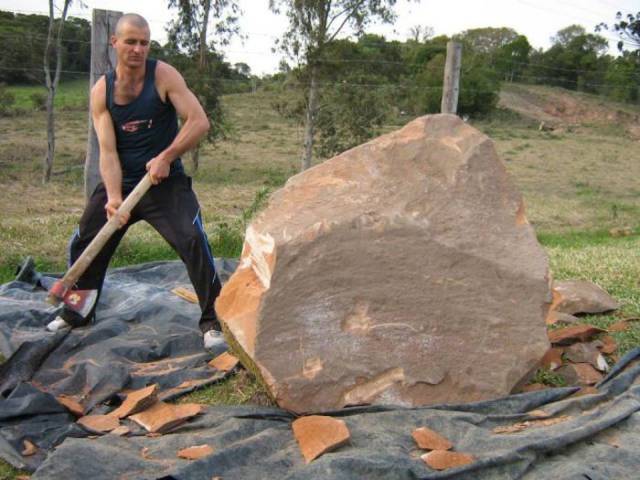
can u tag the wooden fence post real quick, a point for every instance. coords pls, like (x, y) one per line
(103, 59)
(451, 85)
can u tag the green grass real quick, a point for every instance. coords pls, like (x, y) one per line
(70, 95)
(238, 389)
(7, 472)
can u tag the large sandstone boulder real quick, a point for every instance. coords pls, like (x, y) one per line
(402, 271)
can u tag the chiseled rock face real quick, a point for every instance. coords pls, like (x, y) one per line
(402, 271)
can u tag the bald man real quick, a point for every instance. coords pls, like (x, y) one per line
(134, 111)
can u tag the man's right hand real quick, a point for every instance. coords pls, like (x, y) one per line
(112, 207)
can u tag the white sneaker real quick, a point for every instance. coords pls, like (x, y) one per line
(214, 342)
(57, 324)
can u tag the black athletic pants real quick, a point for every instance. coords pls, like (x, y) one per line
(171, 207)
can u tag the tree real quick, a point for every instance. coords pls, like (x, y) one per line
(421, 33)
(512, 58)
(190, 31)
(52, 82)
(313, 24)
(628, 28)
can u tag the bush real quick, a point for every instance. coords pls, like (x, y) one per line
(38, 100)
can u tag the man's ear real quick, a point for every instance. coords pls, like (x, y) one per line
(113, 41)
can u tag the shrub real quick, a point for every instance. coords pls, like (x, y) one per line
(7, 100)
(38, 100)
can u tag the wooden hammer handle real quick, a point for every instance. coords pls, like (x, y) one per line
(108, 229)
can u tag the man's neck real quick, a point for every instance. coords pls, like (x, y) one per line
(130, 75)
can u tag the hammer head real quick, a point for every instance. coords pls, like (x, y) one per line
(80, 301)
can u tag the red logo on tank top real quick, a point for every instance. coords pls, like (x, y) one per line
(135, 125)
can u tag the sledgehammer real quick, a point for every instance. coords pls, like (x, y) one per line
(82, 301)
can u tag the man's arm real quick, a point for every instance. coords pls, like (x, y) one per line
(110, 169)
(195, 122)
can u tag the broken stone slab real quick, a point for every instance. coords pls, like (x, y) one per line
(444, 460)
(99, 423)
(402, 271)
(560, 317)
(162, 417)
(29, 448)
(137, 401)
(579, 374)
(71, 404)
(224, 362)
(196, 452)
(607, 345)
(552, 359)
(427, 439)
(587, 353)
(318, 434)
(574, 333)
(581, 296)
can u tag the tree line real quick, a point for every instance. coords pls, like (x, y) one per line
(344, 90)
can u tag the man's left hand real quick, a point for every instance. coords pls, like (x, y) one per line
(158, 169)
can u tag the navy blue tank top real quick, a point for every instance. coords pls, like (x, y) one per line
(144, 127)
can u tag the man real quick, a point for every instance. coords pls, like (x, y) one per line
(134, 111)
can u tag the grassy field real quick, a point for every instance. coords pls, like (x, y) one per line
(578, 183)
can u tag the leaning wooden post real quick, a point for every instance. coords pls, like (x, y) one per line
(451, 85)
(103, 59)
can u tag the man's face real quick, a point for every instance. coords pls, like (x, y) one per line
(131, 44)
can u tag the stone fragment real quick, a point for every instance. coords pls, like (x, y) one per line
(427, 439)
(579, 374)
(224, 362)
(162, 417)
(71, 404)
(121, 431)
(609, 345)
(137, 401)
(552, 359)
(99, 423)
(402, 271)
(587, 353)
(29, 448)
(575, 333)
(520, 426)
(186, 294)
(444, 460)
(318, 434)
(581, 296)
(565, 318)
(196, 452)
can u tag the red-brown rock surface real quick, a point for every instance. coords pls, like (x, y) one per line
(581, 296)
(318, 434)
(402, 271)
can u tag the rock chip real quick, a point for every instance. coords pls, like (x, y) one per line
(579, 374)
(581, 296)
(196, 452)
(443, 459)
(224, 362)
(402, 271)
(99, 423)
(71, 404)
(29, 448)
(587, 353)
(427, 439)
(553, 358)
(318, 434)
(162, 417)
(574, 333)
(137, 401)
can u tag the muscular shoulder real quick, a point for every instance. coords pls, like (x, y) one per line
(99, 95)
(168, 79)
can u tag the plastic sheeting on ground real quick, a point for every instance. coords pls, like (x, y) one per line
(594, 436)
(143, 334)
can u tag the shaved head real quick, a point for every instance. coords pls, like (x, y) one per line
(132, 19)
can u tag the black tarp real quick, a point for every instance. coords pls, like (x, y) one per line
(597, 437)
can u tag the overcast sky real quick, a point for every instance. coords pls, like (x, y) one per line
(537, 19)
